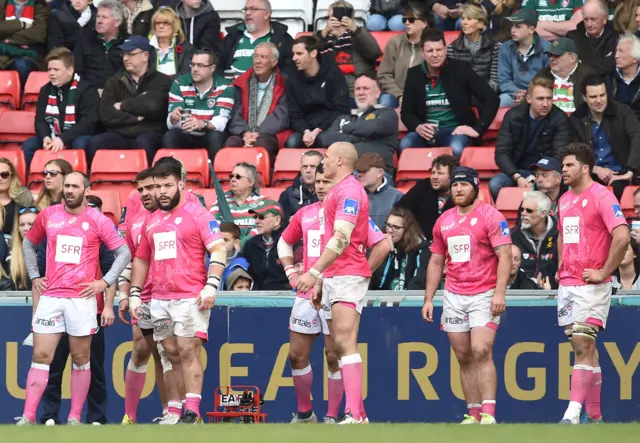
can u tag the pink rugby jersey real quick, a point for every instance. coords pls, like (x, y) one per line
(586, 220)
(133, 238)
(73, 247)
(174, 243)
(134, 206)
(468, 242)
(307, 224)
(349, 202)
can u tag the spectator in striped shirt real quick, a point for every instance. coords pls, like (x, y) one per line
(200, 105)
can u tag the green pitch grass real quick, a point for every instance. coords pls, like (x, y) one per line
(282, 433)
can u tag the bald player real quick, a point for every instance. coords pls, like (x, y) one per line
(342, 271)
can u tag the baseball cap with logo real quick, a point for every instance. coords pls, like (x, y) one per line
(369, 160)
(525, 16)
(562, 46)
(136, 42)
(547, 164)
(267, 207)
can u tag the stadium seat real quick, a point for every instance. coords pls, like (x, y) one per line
(195, 161)
(482, 159)
(509, 200)
(76, 157)
(383, 37)
(117, 169)
(300, 34)
(111, 205)
(227, 158)
(16, 127)
(35, 82)
(16, 157)
(402, 129)
(415, 164)
(360, 9)
(627, 201)
(287, 166)
(271, 193)
(494, 128)
(450, 36)
(282, 138)
(9, 90)
(209, 195)
(484, 194)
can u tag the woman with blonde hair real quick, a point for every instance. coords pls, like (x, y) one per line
(173, 52)
(17, 267)
(54, 173)
(12, 196)
(498, 11)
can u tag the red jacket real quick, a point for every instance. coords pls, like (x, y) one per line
(242, 82)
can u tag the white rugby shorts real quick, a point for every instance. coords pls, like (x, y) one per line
(181, 317)
(584, 304)
(75, 316)
(305, 319)
(345, 288)
(462, 313)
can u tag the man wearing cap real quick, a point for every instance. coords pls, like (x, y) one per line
(382, 195)
(555, 17)
(548, 180)
(520, 59)
(133, 108)
(530, 131)
(567, 74)
(261, 251)
(473, 241)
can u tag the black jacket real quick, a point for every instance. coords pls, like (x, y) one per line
(92, 62)
(279, 37)
(316, 102)
(542, 259)
(415, 271)
(64, 29)
(522, 282)
(265, 268)
(622, 128)
(295, 197)
(142, 22)
(86, 113)
(460, 83)
(514, 134)
(614, 80)
(422, 200)
(598, 53)
(375, 130)
(203, 29)
(149, 100)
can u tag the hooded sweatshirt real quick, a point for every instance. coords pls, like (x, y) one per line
(202, 29)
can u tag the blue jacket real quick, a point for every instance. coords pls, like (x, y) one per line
(237, 262)
(514, 74)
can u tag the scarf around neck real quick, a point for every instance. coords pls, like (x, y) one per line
(342, 48)
(258, 111)
(52, 112)
(28, 11)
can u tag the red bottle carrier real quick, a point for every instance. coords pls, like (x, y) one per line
(237, 404)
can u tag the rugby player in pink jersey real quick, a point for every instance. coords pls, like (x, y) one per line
(344, 268)
(64, 299)
(171, 253)
(168, 378)
(473, 241)
(306, 322)
(593, 239)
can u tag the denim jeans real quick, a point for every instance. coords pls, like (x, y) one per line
(502, 180)
(388, 101)
(506, 100)
(448, 24)
(442, 139)
(23, 66)
(32, 144)
(379, 22)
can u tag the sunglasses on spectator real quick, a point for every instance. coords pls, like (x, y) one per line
(5, 175)
(527, 210)
(260, 216)
(29, 209)
(408, 19)
(52, 173)
(236, 176)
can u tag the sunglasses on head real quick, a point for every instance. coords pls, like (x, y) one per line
(408, 19)
(53, 173)
(527, 210)
(29, 209)
(5, 175)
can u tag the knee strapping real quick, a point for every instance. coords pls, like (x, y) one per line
(164, 359)
(84, 367)
(584, 331)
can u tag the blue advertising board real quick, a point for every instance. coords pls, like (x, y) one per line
(410, 371)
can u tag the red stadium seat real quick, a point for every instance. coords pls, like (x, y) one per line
(482, 159)
(195, 161)
(450, 36)
(282, 138)
(383, 37)
(494, 128)
(9, 90)
(76, 157)
(111, 206)
(117, 169)
(415, 164)
(16, 126)
(210, 196)
(287, 166)
(16, 157)
(271, 193)
(35, 82)
(300, 34)
(227, 158)
(509, 200)
(484, 194)
(627, 201)
(402, 129)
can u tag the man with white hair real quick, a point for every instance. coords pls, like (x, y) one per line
(260, 105)
(595, 38)
(242, 39)
(548, 180)
(626, 81)
(537, 237)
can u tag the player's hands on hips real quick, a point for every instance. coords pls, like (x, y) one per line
(305, 283)
(427, 311)
(123, 308)
(107, 317)
(316, 296)
(92, 289)
(498, 304)
(39, 284)
(593, 276)
(207, 298)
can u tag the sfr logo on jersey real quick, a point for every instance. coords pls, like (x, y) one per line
(571, 230)
(165, 245)
(459, 248)
(314, 243)
(68, 249)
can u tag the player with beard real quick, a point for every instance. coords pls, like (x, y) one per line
(593, 239)
(171, 253)
(168, 378)
(473, 241)
(64, 300)
(306, 322)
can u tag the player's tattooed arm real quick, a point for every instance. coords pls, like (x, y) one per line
(497, 249)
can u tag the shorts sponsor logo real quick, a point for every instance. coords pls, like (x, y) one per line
(47, 322)
(301, 322)
(350, 206)
(142, 314)
(452, 320)
(563, 312)
(162, 326)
